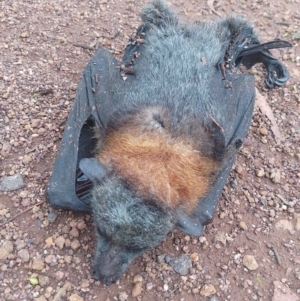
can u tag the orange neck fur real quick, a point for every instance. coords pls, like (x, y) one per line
(158, 166)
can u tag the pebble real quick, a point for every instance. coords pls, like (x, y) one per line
(137, 289)
(37, 264)
(207, 290)
(221, 237)
(43, 280)
(49, 240)
(75, 297)
(260, 172)
(27, 159)
(5, 249)
(51, 216)
(181, 264)
(35, 123)
(11, 183)
(59, 275)
(263, 131)
(250, 262)
(194, 257)
(275, 175)
(161, 258)
(81, 225)
(50, 259)
(149, 286)
(284, 225)
(75, 244)
(238, 169)
(123, 296)
(24, 34)
(137, 278)
(74, 232)
(60, 242)
(243, 226)
(23, 254)
(24, 194)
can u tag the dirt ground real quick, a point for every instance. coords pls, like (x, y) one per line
(47, 254)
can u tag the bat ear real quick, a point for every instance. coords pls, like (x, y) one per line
(93, 169)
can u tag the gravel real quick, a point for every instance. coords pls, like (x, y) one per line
(258, 214)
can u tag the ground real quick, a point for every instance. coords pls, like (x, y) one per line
(47, 254)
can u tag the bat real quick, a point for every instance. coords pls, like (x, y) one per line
(150, 140)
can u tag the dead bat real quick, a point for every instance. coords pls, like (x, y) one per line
(152, 153)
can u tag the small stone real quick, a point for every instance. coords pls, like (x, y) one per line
(41, 131)
(149, 286)
(24, 255)
(49, 240)
(5, 249)
(123, 296)
(263, 131)
(50, 259)
(24, 194)
(207, 290)
(25, 202)
(284, 225)
(75, 297)
(243, 226)
(51, 216)
(238, 169)
(275, 175)
(260, 173)
(195, 291)
(59, 275)
(37, 264)
(12, 183)
(250, 262)
(137, 278)
(161, 258)
(74, 232)
(35, 123)
(27, 159)
(181, 264)
(60, 242)
(81, 225)
(194, 257)
(137, 289)
(221, 237)
(75, 244)
(24, 34)
(43, 280)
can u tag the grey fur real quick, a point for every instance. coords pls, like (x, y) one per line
(126, 219)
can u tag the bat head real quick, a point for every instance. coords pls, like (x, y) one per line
(126, 226)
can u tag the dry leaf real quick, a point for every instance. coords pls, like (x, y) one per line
(264, 107)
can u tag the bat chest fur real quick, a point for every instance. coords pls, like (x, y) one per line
(156, 165)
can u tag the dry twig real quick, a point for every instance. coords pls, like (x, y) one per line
(22, 212)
